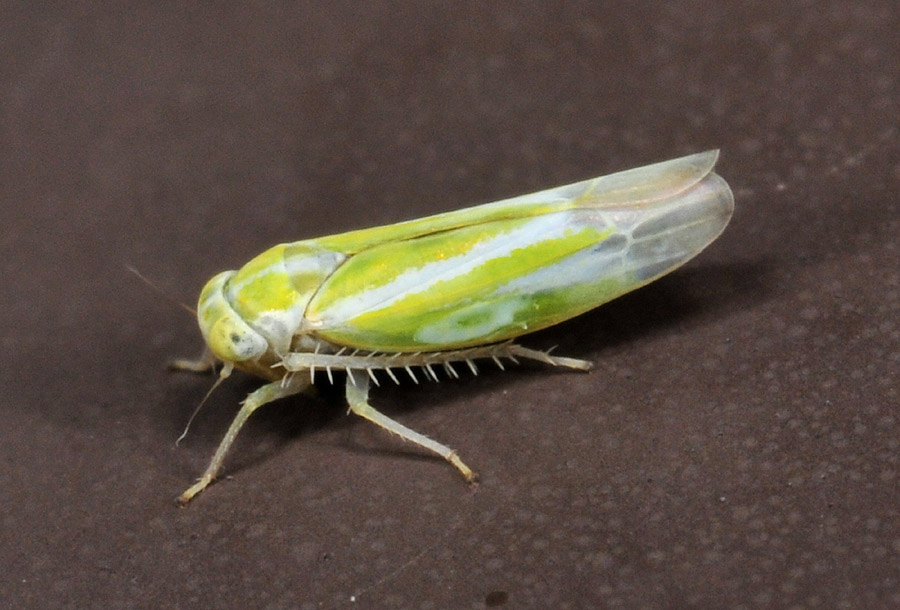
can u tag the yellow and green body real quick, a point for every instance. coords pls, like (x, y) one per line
(454, 287)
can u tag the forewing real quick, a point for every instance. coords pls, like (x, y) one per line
(501, 277)
(628, 188)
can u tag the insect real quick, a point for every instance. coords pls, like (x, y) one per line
(418, 297)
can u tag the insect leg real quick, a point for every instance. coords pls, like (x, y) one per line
(358, 399)
(206, 363)
(266, 394)
(533, 354)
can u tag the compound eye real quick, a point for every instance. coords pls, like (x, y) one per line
(233, 341)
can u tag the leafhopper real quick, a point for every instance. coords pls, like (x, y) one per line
(428, 297)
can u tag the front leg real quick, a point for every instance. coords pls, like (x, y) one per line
(357, 398)
(206, 363)
(282, 388)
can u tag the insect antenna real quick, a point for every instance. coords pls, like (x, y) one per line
(223, 375)
(160, 291)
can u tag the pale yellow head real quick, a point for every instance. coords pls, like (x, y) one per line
(226, 333)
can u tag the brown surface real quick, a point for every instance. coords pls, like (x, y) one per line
(737, 446)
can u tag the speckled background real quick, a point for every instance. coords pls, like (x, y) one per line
(737, 445)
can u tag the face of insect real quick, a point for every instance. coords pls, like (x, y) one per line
(228, 336)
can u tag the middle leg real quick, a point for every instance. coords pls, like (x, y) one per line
(358, 399)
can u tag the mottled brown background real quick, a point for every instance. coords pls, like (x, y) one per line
(737, 446)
